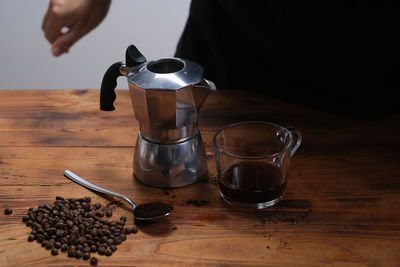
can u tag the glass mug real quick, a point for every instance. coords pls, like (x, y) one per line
(252, 160)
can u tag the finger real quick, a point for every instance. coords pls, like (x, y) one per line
(53, 28)
(46, 16)
(63, 43)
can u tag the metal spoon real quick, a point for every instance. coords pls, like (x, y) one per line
(167, 209)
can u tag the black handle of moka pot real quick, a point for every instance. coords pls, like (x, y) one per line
(133, 57)
(107, 91)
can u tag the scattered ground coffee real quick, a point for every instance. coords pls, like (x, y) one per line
(77, 227)
(8, 211)
(152, 209)
(197, 203)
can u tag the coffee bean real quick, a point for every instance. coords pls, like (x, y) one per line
(108, 213)
(123, 237)
(110, 241)
(44, 243)
(51, 230)
(78, 254)
(31, 238)
(59, 233)
(123, 218)
(127, 231)
(50, 245)
(93, 248)
(64, 247)
(107, 232)
(93, 261)
(86, 206)
(97, 206)
(86, 256)
(54, 252)
(134, 230)
(108, 252)
(57, 244)
(25, 218)
(93, 231)
(59, 225)
(70, 224)
(101, 250)
(39, 238)
(8, 211)
(46, 236)
(82, 240)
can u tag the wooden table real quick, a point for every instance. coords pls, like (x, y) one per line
(341, 207)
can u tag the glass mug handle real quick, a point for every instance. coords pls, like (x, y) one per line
(296, 141)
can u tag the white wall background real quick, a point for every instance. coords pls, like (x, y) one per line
(26, 62)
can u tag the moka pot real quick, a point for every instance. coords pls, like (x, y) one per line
(166, 95)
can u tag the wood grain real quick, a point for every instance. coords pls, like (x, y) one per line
(341, 206)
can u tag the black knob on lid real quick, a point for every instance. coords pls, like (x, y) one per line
(133, 57)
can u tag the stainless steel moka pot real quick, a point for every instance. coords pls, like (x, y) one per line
(166, 97)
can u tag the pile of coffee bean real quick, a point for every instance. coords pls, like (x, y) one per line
(77, 227)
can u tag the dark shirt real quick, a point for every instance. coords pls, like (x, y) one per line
(342, 56)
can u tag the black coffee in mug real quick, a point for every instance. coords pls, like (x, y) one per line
(252, 182)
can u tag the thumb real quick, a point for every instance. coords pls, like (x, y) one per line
(63, 43)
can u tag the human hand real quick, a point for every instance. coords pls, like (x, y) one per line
(78, 16)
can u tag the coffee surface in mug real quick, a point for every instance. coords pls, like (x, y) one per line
(252, 182)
